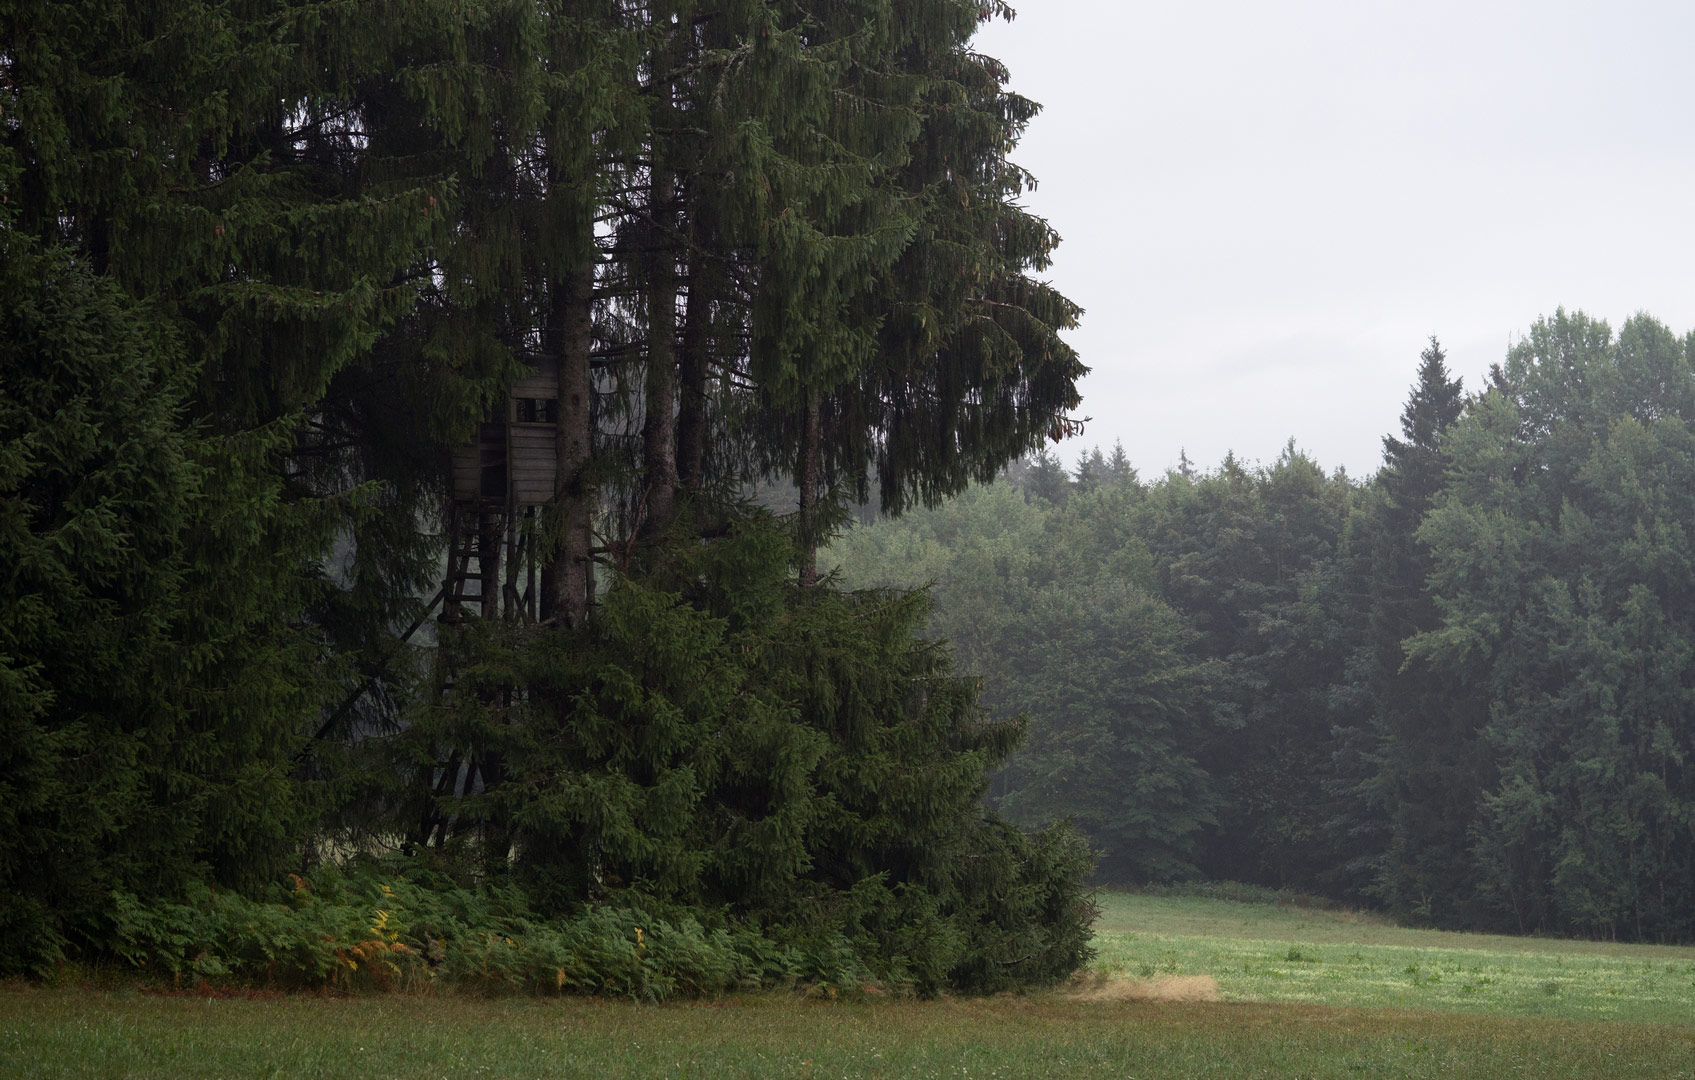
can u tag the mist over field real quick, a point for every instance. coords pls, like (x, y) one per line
(1453, 689)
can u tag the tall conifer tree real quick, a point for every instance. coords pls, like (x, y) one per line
(203, 164)
(1432, 770)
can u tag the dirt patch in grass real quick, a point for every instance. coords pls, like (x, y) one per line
(1169, 988)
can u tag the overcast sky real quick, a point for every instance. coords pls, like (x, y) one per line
(1269, 207)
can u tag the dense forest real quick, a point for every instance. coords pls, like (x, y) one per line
(270, 270)
(1459, 689)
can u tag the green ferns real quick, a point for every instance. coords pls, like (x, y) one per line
(382, 928)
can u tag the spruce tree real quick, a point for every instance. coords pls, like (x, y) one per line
(324, 248)
(656, 743)
(1432, 768)
(1123, 473)
(1091, 471)
(98, 485)
(211, 169)
(973, 371)
(1046, 479)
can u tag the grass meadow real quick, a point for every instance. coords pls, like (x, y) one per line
(1363, 998)
(1284, 954)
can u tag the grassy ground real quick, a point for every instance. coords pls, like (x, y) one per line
(59, 1034)
(1614, 1011)
(1268, 953)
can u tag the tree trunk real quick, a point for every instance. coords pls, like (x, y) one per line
(659, 424)
(568, 579)
(807, 479)
(691, 405)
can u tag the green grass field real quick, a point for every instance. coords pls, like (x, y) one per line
(1271, 953)
(1616, 1011)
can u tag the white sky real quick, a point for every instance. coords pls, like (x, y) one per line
(1268, 207)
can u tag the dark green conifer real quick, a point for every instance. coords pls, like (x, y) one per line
(1091, 471)
(1123, 473)
(324, 248)
(1432, 768)
(200, 181)
(1046, 479)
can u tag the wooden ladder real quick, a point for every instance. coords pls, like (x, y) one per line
(474, 546)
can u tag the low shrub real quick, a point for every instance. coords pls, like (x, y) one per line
(379, 929)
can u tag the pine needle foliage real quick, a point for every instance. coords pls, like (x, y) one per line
(147, 706)
(268, 263)
(799, 760)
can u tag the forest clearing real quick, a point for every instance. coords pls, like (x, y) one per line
(1618, 1010)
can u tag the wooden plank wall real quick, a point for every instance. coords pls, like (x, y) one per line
(528, 449)
(533, 461)
(542, 382)
(467, 472)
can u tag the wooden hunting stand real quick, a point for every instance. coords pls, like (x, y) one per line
(498, 483)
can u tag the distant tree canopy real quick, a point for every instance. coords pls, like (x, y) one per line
(264, 266)
(1459, 689)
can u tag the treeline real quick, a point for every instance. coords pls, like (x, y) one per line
(264, 265)
(1460, 689)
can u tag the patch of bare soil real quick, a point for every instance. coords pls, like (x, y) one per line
(1169, 988)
